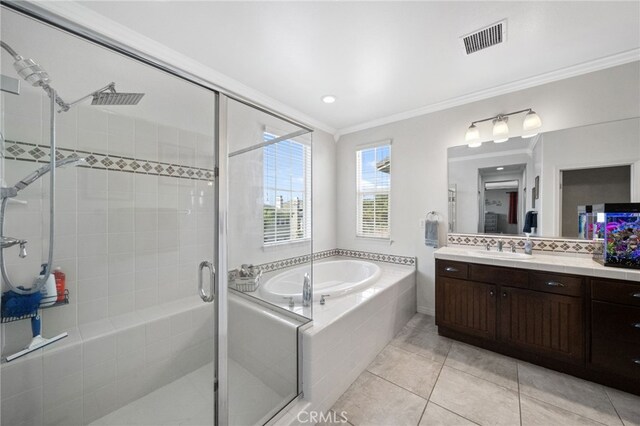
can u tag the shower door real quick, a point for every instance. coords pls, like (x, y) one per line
(268, 224)
(133, 223)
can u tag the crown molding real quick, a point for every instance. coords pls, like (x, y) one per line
(94, 22)
(561, 74)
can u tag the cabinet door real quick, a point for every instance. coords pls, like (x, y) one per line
(550, 324)
(466, 306)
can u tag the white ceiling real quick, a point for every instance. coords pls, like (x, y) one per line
(382, 59)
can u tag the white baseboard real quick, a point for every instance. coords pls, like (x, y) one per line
(427, 310)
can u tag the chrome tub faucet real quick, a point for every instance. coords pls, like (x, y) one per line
(306, 290)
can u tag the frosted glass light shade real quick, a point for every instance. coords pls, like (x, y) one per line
(500, 130)
(531, 124)
(472, 136)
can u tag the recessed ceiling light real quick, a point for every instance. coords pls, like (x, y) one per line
(328, 99)
(499, 168)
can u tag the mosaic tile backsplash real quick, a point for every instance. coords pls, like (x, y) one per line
(555, 245)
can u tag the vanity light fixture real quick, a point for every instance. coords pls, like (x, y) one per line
(328, 99)
(530, 127)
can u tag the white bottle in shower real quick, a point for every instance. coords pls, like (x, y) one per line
(49, 292)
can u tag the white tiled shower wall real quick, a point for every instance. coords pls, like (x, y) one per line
(126, 241)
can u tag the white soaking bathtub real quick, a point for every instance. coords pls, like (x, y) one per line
(335, 278)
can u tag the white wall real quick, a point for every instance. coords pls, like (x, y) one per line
(419, 178)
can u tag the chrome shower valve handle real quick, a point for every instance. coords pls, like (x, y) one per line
(10, 242)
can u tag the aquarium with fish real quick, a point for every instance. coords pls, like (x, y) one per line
(620, 245)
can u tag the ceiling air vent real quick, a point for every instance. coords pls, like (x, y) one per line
(485, 37)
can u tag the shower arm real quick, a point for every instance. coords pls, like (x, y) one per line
(65, 106)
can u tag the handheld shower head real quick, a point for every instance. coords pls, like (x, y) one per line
(28, 180)
(31, 71)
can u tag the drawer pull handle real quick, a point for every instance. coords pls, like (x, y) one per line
(504, 294)
(636, 361)
(636, 295)
(493, 293)
(452, 269)
(554, 284)
(636, 325)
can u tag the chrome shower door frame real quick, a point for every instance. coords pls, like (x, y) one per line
(221, 377)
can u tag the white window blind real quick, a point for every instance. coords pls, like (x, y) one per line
(287, 189)
(373, 186)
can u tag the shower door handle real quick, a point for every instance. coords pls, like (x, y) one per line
(208, 298)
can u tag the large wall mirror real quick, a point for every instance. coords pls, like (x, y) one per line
(542, 184)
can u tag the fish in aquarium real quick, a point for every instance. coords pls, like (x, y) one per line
(622, 234)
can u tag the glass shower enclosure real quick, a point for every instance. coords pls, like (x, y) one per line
(177, 208)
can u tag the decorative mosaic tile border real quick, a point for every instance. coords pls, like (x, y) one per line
(377, 257)
(556, 245)
(23, 151)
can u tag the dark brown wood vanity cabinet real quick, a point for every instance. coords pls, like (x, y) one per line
(584, 326)
(615, 327)
(533, 312)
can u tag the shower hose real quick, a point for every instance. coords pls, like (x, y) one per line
(39, 283)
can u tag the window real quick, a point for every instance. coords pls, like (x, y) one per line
(287, 188)
(373, 185)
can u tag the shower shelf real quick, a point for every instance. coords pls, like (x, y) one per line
(65, 301)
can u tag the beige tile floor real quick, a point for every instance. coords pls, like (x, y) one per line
(422, 379)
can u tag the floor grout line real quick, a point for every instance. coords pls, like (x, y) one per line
(613, 405)
(434, 385)
(395, 384)
(453, 412)
(565, 410)
(482, 378)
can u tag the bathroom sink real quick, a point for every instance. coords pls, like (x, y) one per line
(502, 255)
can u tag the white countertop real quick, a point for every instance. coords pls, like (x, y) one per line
(579, 265)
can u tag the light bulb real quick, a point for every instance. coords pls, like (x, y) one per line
(472, 136)
(500, 130)
(531, 124)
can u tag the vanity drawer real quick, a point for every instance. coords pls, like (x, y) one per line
(498, 275)
(620, 321)
(615, 291)
(452, 269)
(556, 283)
(616, 356)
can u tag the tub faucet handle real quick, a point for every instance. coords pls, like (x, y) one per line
(322, 298)
(291, 302)
(23, 249)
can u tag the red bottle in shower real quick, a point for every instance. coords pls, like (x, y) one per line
(60, 283)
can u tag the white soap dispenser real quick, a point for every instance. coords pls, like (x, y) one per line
(48, 290)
